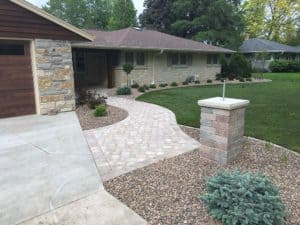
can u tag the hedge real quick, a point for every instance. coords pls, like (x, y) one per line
(278, 66)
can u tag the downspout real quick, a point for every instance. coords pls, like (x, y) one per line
(153, 64)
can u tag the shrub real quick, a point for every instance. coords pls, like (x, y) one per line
(146, 87)
(174, 84)
(284, 66)
(163, 85)
(93, 99)
(141, 89)
(152, 86)
(240, 66)
(197, 81)
(135, 85)
(127, 68)
(124, 91)
(219, 76)
(249, 79)
(237, 198)
(241, 79)
(100, 111)
(185, 83)
(209, 81)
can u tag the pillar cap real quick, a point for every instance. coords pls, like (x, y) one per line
(227, 104)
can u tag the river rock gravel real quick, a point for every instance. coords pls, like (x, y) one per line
(167, 192)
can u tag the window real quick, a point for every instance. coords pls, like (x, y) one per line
(80, 62)
(140, 59)
(12, 49)
(179, 59)
(115, 59)
(129, 59)
(212, 59)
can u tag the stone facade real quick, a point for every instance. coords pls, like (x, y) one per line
(54, 75)
(160, 72)
(222, 129)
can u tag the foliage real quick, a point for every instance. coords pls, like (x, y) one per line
(81, 13)
(174, 84)
(157, 15)
(91, 98)
(249, 79)
(123, 15)
(141, 89)
(124, 91)
(238, 66)
(185, 83)
(152, 86)
(273, 109)
(241, 79)
(163, 85)
(127, 68)
(209, 81)
(237, 198)
(197, 81)
(146, 87)
(100, 111)
(135, 85)
(272, 19)
(197, 19)
(278, 66)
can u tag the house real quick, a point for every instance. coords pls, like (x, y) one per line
(157, 58)
(44, 59)
(262, 52)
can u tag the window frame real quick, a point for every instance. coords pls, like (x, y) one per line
(12, 49)
(212, 59)
(129, 55)
(137, 57)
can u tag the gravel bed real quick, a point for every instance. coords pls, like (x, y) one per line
(88, 121)
(167, 192)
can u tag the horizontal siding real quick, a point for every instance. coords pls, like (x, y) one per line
(21, 23)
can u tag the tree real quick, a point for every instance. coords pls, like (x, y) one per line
(81, 13)
(157, 15)
(123, 15)
(217, 22)
(272, 19)
(127, 68)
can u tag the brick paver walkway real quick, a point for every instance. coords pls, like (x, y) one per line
(149, 134)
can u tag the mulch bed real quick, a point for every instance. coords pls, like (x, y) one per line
(167, 192)
(88, 121)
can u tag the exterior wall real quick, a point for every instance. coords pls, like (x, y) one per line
(53, 71)
(160, 72)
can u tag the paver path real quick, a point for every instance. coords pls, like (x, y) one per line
(150, 133)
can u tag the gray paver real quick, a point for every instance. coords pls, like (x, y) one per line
(149, 134)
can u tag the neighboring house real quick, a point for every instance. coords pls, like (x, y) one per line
(262, 52)
(38, 52)
(157, 58)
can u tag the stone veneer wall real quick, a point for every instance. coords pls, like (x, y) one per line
(165, 73)
(54, 75)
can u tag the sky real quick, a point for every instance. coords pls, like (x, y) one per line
(137, 3)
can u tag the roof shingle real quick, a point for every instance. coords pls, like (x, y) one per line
(132, 38)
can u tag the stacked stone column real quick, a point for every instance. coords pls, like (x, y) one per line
(222, 128)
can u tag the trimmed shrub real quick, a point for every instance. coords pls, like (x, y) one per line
(152, 86)
(279, 66)
(185, 83)
(135, 85)
(100, 111)
(249, 79)
(219, 76)
(197, 81)
(146, 87)
(241, 79)
(237, 198)
(124, 91)
(209, 81)
(240, 66)
(163, 85)
(141, 89)
(93, 99)
(174, 84)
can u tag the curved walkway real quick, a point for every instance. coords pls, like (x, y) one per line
(149, 134)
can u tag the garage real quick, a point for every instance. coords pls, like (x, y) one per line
(16, 80)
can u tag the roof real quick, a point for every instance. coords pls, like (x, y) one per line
(262, 45)
(134, 38)
(30, 7)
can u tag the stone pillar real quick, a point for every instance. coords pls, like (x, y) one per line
(222, 128)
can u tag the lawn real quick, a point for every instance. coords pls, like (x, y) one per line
(273, 114)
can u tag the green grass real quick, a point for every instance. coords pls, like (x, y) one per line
(273, 114)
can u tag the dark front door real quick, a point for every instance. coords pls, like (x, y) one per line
(16, 80)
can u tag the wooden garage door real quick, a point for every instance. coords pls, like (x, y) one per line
(16, 80)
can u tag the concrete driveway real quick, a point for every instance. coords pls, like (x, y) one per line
(45, 163)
